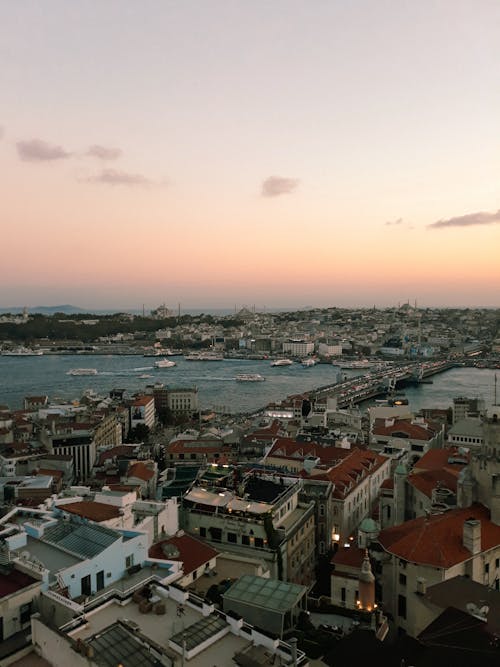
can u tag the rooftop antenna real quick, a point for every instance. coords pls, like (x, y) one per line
(143, 311)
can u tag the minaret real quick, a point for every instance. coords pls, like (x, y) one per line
(366, 585)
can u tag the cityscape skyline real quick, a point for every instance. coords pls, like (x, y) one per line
(279, 154)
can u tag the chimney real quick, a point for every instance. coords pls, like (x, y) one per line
(421, 586)
(472, 536)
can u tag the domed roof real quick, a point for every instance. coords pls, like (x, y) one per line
(368, 526)
(401, 469)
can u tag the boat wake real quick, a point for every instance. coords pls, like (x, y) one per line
(127, 371)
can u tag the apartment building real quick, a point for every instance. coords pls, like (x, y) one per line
(265, 517)
(422, 552)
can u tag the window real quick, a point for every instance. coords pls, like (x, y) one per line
(259, 542)
(342, 594)
(402, 579)
(203, 531)
(231, 537)
(401, 606)
(129, 560)
(486, 568)
(215, 534)
(322, 510)
(245, 540)
(497, 563)
(25, 613)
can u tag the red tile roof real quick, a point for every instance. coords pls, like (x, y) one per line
(13, 582)
(289, 448)
(352, 471)
(266, 433)
(92, 510)
(119, 450)
(191, 447)
(439, 459)
(192, 552)
(53, 473)
(141, 471)
(352, 556)
(142, 400)
(428, 480)
(438, 540)
(405, 426)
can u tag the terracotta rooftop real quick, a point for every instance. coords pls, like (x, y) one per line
(289, 448)
(265, 433)
(351, 471)
(119, 450)
(351, 557)
(192, 552)
(428, 480)
(142, 400)
(437, 540)
(47, 471)
(449, 459)
(89, 509)
(393, 427)
(141, 471)
(13, 582)
(196, 447)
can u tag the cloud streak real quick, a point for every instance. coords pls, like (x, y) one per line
(37, 150)
(115, 177)
(103, 152)
(469, 220)
(274, 186)
(399, 221)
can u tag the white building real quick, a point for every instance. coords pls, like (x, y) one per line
(298, 348)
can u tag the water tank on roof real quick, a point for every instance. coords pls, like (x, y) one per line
(170, 550)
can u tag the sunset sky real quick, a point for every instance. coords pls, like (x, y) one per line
(277, 153)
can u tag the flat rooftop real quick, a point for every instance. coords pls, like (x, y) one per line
(160, 629)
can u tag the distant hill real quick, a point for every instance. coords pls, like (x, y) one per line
(67, 309)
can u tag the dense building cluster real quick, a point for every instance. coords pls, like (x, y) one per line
(228, 538)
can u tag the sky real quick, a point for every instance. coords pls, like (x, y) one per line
(225, 152)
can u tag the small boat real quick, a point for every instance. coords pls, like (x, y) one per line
(307, 363)
(249, 377)
(144, 376)
(82, 371)
(282, 362)
(164, 363)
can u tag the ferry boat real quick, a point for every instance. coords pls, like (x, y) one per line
(164, 363)
(249, 377)
(204, 356)
(282, 362)
(353, 365)
(307, 363)
(82, 371)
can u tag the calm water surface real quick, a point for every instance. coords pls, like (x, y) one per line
(21, 377)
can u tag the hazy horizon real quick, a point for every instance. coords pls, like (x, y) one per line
(225, 153)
